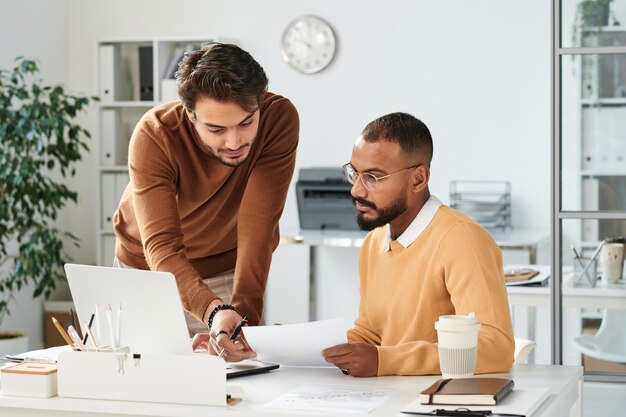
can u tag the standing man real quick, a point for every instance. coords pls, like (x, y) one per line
(421, 260)
(209, 176)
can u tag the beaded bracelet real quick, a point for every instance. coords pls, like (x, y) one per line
(216, 309)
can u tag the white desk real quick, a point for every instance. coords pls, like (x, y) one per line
(518, 239)
(613, 296)
(528, 240)
(564, 384)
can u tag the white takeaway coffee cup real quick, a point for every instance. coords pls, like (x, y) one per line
(458, 345)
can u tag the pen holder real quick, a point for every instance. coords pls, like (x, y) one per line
(585, 272)
(177, 379)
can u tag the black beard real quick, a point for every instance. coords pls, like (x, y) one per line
(385, 215)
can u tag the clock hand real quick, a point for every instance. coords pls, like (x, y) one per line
(301, 38)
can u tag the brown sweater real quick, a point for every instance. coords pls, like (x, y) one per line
(187, 213)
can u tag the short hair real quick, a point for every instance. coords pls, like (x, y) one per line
(223, 72)
(408, 131)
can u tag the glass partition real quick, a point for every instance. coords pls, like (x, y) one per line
(594, 297)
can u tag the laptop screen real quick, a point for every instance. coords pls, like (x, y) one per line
(144, 305)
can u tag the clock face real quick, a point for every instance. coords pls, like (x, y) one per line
(308, 44)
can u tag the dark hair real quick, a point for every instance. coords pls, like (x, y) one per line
(408, 131)
(223, 72)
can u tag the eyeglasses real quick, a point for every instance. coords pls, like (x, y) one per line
(369, 181)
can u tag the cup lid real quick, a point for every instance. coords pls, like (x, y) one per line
(458, 323)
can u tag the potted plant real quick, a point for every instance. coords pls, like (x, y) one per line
(591, 14)
(40, 143)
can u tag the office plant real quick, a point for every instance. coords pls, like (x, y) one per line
(40, 143)
(591, 14)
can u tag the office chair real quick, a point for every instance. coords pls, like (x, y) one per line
(523, 347)
(609, 343)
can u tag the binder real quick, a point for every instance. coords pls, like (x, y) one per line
(113, 144)
(159, 378)
(109, 82)
(109, 202)
(146, 77)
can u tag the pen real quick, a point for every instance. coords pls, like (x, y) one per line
(236, 332)
(593, 258)
(98, 327)
(580, 262)
(72, 320)
(88, 328)
(110, 322)
(93, 339)
(75, 337)
(462, 412)
(63, 333)
(118, 326)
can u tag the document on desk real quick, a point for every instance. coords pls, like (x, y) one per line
(333, 398)
(537, 280)
(296, 344)
(41, 355)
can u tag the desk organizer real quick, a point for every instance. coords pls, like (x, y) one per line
(177, 379)
(487, 202)
(30, 380)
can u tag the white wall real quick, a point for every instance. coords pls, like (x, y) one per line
(476, 72)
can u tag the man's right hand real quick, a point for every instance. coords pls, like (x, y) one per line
(224, 323)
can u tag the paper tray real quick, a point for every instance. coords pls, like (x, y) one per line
(178, 379)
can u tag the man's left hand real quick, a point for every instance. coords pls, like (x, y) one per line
(357, 358)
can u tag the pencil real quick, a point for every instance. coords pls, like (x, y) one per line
(89, 327)
(111, 333)
(63, 333)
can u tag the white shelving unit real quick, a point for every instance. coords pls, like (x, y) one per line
(134, 75)
(603, 123)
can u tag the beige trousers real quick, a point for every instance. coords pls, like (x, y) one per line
(220, 284)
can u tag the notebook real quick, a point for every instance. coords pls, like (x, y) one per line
(467, 391)
(152, 318)
(522, 401)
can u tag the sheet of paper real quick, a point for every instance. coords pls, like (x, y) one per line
(296, 344)
(41, 355)
(333, 398)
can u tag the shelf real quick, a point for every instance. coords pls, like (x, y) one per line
(603, 173)
(607, 101)
(114, 168)
(119, 104)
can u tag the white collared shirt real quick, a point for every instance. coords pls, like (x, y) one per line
(418, 225)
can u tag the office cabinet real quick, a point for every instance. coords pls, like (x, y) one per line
(134, 75)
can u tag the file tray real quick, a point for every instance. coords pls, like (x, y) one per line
(160, 378)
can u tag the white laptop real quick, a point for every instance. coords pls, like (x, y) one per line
(152, 318)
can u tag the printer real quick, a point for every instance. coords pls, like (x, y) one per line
(324, 200)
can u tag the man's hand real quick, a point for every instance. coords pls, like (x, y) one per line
(357, 358)
(224, 323)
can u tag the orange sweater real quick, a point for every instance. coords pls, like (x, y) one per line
(187, 213)
(453, 267)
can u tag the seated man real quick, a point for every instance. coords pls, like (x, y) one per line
(429, 260)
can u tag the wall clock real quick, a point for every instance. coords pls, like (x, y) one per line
(308, 44)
